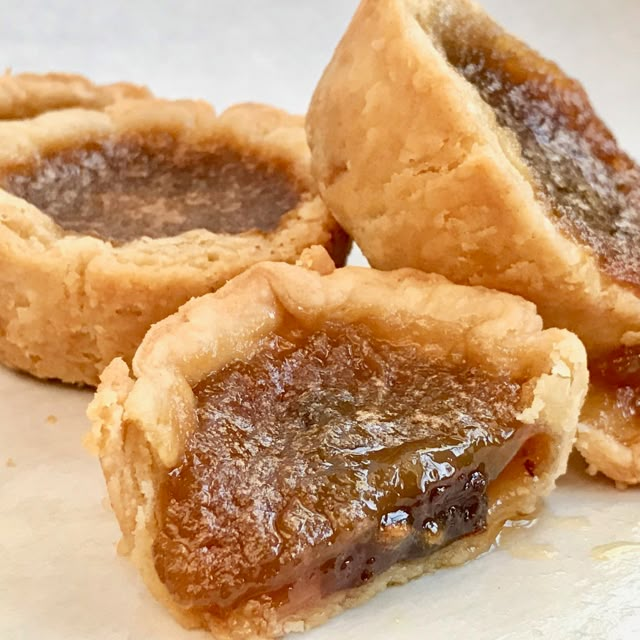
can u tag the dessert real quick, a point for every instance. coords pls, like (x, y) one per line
(294, 443)
(26, 95)
(110, 220)
(457, 149)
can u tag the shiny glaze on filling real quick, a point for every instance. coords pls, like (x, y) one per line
(325, 458)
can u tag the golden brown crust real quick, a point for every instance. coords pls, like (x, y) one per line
(71, 303)
(27, 95)
(416, 168)
(141, 419)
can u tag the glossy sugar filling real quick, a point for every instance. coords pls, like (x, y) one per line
(324, 459)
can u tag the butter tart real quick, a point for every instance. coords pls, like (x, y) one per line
(110, 220)
(443, 143)
(26, 95)
(294, 443)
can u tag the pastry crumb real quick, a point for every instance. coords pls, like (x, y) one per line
(316, 258)
(51, 419)
(11, 462)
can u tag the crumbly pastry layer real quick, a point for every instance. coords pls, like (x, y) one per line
(445, 144)
(26, 95)
(195, 368)
(110, 220)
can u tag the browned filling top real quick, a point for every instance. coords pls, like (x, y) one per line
(324, 459)
(591, 187)
(120, 192)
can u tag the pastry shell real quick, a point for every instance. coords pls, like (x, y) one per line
(416, 168)
(141, 418)
(26, 95)
(70, 303)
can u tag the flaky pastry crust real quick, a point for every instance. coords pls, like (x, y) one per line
(70, 303)
(417, 169)
(26, 95)
(141, 418)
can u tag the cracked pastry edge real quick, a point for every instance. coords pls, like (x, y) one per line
(138, 430)
(445, 166)
(26, 95)
(71, 303)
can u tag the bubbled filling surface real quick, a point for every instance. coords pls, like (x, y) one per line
(590, 186)
(321, 461)
(124, 191)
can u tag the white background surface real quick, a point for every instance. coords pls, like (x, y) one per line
(59, 576)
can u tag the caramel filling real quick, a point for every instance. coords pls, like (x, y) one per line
(121, 192)
(324, 459)
(614, 394)
(591, 187)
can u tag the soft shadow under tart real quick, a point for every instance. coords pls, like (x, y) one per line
(110, 220)
(26, 95)
(293, 444)
(443, 143)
